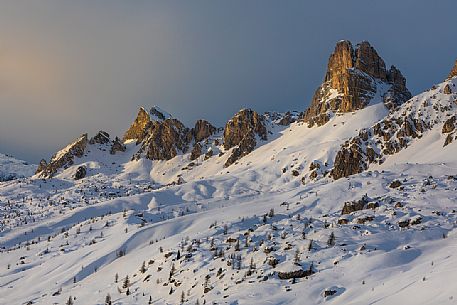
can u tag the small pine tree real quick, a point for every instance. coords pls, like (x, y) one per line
(237, 245)
(143, 267)
(206, 284)
(310, 245)
(183, 297)
(116, 278)
(331, 240)
(297, 257)
(126, 283)
(271, 213)
(70, 301)
(252, 264)
(108, 299)
(178, 255)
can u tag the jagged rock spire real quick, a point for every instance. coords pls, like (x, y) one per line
(136, 130)
(351, 81)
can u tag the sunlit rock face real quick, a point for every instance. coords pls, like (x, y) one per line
(241, 132)
(352, 80)
(63, 158)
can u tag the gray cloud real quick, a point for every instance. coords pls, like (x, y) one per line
(68, 67)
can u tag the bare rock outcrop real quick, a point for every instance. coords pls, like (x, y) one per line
(163, 140)
(138, 127)
(102, 137)
(351, 81)
(453, 71)
(63, 158)
(117, 146)
(80, 173)
(449, 125)
(397, 131)
(196, 151)
(241, 132)
(202, 130)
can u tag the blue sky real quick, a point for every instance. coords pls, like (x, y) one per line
(68, 67)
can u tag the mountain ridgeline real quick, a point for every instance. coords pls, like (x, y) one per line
(356, 78)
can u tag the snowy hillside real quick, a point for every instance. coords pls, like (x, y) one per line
(264, 230)
(11, 168)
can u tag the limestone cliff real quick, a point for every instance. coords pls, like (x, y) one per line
(353, 78)
(241, 132)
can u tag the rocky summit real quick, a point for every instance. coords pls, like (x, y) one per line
(241, 132)
(163, 140)
(353, 78)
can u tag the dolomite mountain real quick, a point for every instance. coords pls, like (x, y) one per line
(351, 201)
(353, 78)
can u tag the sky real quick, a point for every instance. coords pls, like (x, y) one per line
(68, 67)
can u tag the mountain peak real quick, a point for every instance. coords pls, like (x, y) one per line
(157, 114)
(143, 118)
(351, 82)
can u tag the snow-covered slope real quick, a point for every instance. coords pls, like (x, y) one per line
(272, 228)
(11, 168)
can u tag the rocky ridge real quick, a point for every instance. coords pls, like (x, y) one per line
(63, 158)
(240, 133)
(398, 130)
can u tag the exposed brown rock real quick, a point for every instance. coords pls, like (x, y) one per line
(283, 275)
(449, 125)
(246, 145)
(42, 166)
(209, 154)
(196, 151)
(287, 119)
(202, 130)
(80, 173)
(395, 184)
(352, 74)
(241, 131)
(138, 127)
(447, 89)
(353, 206)
(163, 140)
(453, 71)
(117, 146)
(64, 157)
(101, 137)
(403, 223)
(244, 122)
(449, 139)
(348, 161)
